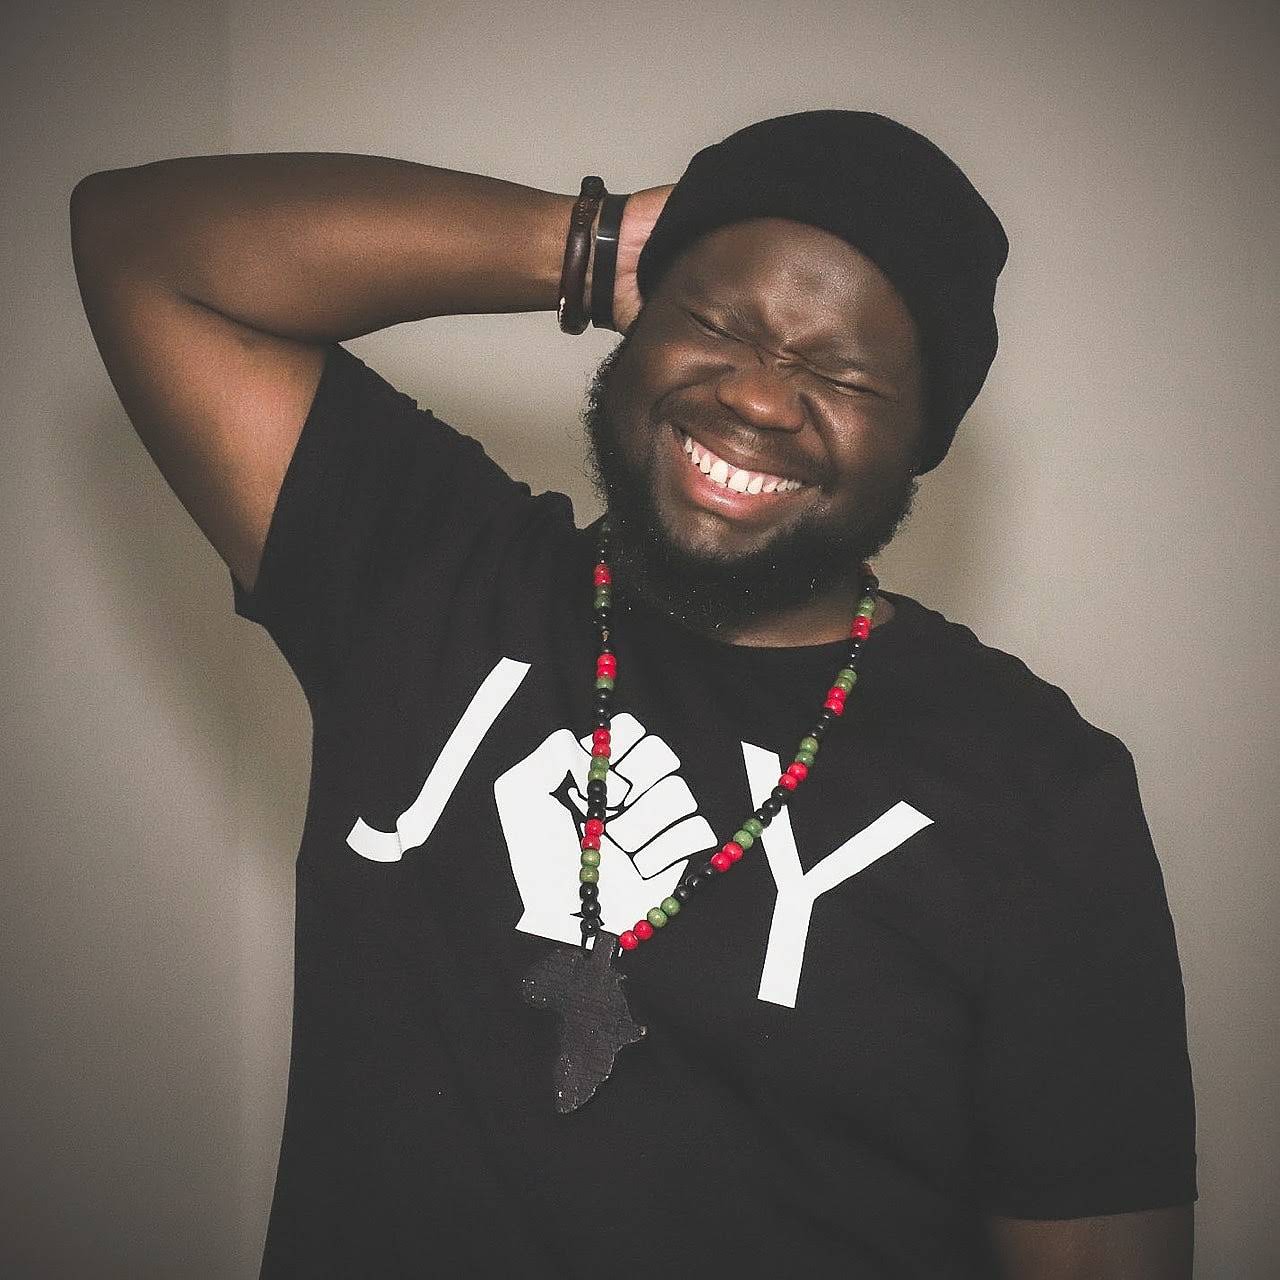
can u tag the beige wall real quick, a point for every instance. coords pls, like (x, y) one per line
(1109, 513)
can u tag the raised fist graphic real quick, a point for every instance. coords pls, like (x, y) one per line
(652, 829)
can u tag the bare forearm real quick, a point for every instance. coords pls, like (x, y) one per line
(321, 246)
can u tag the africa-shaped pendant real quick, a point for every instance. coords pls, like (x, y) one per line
(585, 989)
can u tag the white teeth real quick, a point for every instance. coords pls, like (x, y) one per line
(735, 478)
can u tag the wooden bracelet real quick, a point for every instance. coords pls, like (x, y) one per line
(572, 307)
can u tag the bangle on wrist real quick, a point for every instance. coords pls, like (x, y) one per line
(604, 272)
(571, 309)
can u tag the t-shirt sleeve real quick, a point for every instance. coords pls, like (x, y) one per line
(1085, 1087)
(376, 486)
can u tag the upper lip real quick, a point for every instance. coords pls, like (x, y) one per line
(746, 461)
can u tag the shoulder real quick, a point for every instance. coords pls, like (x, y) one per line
(995, 712)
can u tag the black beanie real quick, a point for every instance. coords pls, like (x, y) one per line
(894, 196)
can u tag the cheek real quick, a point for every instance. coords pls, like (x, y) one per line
(876, 450)
(651, 386)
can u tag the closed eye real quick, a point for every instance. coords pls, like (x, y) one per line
(707, 327)
(714, 330)
(848, 386)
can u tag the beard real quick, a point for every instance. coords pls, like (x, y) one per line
(717, 595)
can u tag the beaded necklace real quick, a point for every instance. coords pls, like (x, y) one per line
(581, 984)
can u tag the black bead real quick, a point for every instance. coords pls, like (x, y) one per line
(597, 787)
(682, 892)
(596, 809)
(695, 882)
(825, 717)
(591, 911)
(707, 871)
(589, 928)
(763, 816)
(772, 808)
(780, 794)
(605, 647)
(588, 892)
(602, 722)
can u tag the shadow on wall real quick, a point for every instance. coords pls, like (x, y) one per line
(169, 592)
(217, 736)
(952, 551)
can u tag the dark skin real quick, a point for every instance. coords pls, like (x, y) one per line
(212, 285)
(783, 350)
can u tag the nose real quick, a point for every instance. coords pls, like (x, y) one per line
(762, 394)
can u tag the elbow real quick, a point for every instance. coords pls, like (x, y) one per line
(99, 217)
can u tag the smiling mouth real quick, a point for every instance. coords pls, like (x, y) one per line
(736, 479)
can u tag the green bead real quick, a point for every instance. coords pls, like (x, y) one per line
(842, 682)
(589, 875)
(591, 857)
(848, 673)
(867, 602)
(671, 906)
(604, 597)
(805, 758)
(598, 772)
(810, 745)
(604, 682)
(656, 917)
(744, 838)
(754, 826)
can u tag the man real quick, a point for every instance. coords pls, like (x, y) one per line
(901, 994)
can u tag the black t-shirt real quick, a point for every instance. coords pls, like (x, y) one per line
(943, 985)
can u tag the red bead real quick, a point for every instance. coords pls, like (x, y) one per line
(837, 693)
(594, 827)
(643, 930)
(600, 750)
(606, 665)
(721, 861)
(834, 705)
(628, 941)
(798, 771)
(591, 842)
(861, 628)
(600, 735)
(733, 849)
(601, 575)
(789, 781)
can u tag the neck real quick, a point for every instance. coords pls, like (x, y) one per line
(818, 621)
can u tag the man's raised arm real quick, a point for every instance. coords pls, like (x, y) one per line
(212, 285)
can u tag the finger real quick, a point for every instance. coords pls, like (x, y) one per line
(646, 763)
(624, 732)
(693, 835)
